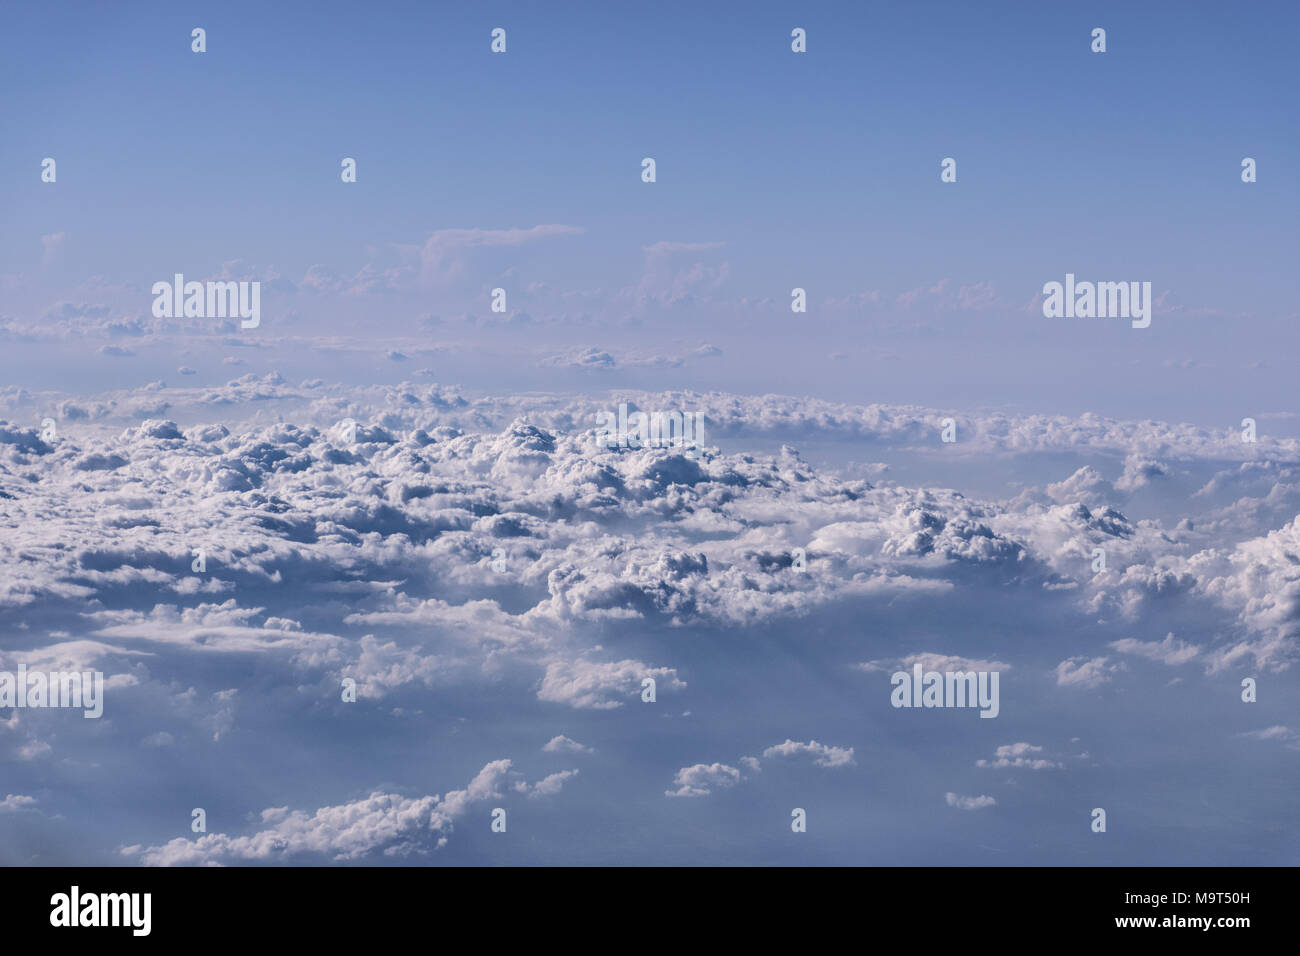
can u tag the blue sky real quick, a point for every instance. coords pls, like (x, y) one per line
(775, 170)
(818, 171)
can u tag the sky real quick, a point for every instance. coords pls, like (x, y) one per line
(367, 553)
(775, 171)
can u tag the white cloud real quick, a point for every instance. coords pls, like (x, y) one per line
(561, 744)
(823, 755)
(1085, 672)
(1169, 651)
(390, 822)
(14, 802)
(931, 661)
(548, 786)
(968, 803)
(702, 779)
(1022, 755)
(601, 685)
(1282, 734)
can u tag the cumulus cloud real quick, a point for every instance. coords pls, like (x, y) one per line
(702, 779)
(426, 477)
(431, 545)
(14, 802)
(388, 822)
(823, 755)
(600, 684)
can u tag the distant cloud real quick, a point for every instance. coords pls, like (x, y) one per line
(588, 358)
(1283, 735)
(565, 745)
(969, 803)
(444, 253)
(1021, 755)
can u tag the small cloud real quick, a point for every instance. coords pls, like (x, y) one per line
(969, 803)
(1018, 755)
(1169, 651)
(702, 779)
(1283, 735)
(825, 756)
(548, 786)
(588, 358)
(565, 745)
(1085, 673)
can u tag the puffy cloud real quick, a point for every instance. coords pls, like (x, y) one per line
(425, 488)
(823, 755)
(14, 802)
(1139, 472)
(1086, 484)
(702, 779)
(1259, 581)
(396, 824)
(451, 547)
(600, 684)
